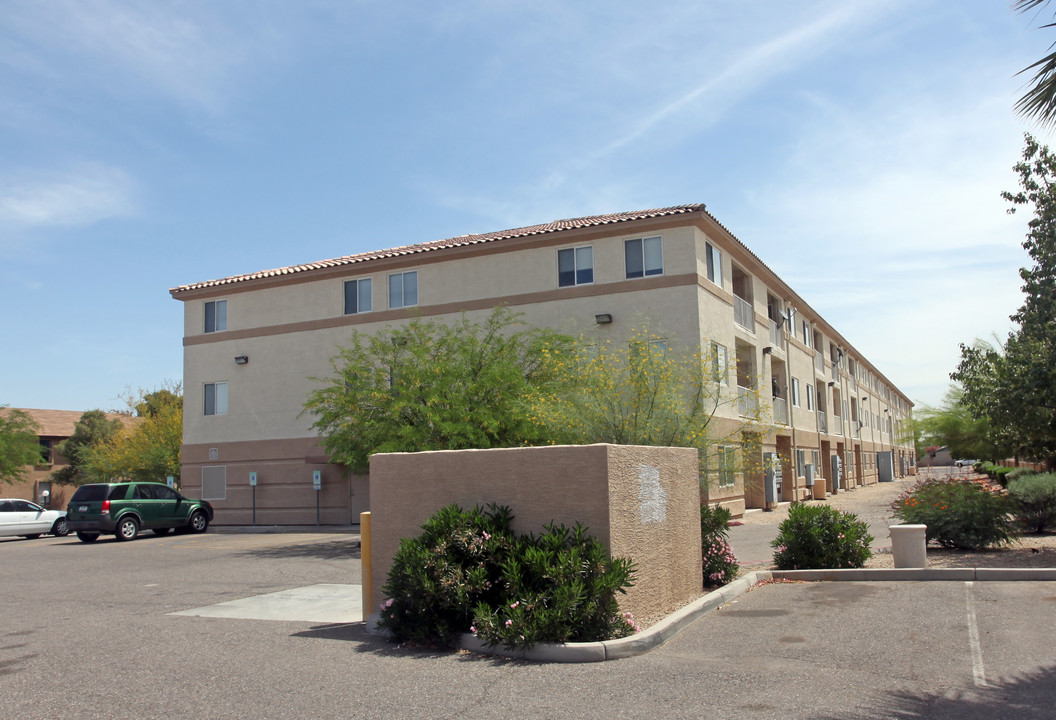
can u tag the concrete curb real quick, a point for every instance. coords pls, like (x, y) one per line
(637, 644)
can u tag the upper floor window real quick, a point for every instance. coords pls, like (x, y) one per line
(806, 333)
(644, 256)
(357, 296)
(810, 397)
(216, 398)
(575, 266)
(795, 391)
(215, 316)
(714, 260)
(403, 289)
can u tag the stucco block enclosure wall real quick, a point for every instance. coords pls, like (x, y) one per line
(641, 502)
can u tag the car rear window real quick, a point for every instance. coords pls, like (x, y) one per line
(98, 493)
(91, 493)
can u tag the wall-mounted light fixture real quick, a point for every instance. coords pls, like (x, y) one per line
(767, 350)
(603, 318)
(241, 359)
(865, 398)
(832, 383)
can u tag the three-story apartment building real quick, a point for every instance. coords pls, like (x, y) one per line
(253, 343)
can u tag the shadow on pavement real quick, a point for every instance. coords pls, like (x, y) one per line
(346, 549)
(1025, 697)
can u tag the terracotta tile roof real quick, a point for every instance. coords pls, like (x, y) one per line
(59, 423)
(546, 228)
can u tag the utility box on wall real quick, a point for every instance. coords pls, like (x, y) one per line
(642, 503)
(837, 472)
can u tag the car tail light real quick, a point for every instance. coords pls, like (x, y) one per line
(105, 509)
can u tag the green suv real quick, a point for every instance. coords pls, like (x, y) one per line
(126, 508)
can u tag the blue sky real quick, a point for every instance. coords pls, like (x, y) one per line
(858, 148)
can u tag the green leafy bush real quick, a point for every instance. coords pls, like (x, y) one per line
(1020, 472)
(468, 571)
(819, 536)
(720, 564)
(438, 578)
(1000, 474)
(558, 587)
(1035, 499)
(958, 513)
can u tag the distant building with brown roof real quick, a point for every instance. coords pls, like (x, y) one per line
(55, 426)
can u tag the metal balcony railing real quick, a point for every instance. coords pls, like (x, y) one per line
(836, 372)
(746, 401)
(819, 361)
(743, 314)
(781, 410)
(777, 337)
(823, 421)
(837, 425)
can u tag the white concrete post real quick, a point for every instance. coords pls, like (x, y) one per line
(909, 545)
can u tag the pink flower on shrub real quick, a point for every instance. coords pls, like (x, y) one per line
(509, 622)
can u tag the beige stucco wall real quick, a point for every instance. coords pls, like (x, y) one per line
(641, 502)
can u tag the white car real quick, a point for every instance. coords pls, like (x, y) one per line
(22, 517)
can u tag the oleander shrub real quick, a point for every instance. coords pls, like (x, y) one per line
(558, 587)
(1035, 499)
(819, 536)
(720, 564)
(438, 577)
(959, 513)
(468, 572)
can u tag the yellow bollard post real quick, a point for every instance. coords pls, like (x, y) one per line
(365, 565)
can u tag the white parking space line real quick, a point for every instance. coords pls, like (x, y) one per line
(978, 673)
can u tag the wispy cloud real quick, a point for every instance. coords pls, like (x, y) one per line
(187, 54)
(81, 196)
(752, 68)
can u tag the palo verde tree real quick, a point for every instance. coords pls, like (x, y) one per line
(19, 444)
(1015, 390)
(953, 425)
(643, 392)
(430, 385)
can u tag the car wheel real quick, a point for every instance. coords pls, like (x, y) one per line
(87, 537)
(61, 528)
(161, 531)
(199, 522)
(127, 528)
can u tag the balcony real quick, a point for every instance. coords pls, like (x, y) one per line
(837, 425)
(823, 421)
(819, 362)
(747, 403)
(836, 371)
(743, 314)
(781, 410)
(777, 337)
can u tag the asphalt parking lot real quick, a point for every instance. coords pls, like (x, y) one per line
(87, 632)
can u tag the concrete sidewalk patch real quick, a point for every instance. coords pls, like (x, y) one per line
(315, 603)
